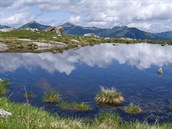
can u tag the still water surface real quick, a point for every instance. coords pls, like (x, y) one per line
(77, 75)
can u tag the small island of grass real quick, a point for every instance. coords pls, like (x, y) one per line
(29, 95)
(132, 109)
(109, 97)
(51, 97)
(74, 106)
(171, 106)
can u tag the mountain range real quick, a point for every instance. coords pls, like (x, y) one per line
(4, 27)
(115, 32)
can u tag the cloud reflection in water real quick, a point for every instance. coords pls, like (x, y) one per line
(141, 56)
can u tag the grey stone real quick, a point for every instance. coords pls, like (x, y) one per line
(58, 29)
(90, 35)
(4, 113)
(160, 72)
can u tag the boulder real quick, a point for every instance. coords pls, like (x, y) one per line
(3, 46)
(4, 113)
(74, 40)
(160, 71)
(58, 29)
(90, 35)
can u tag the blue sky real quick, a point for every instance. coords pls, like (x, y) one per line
(148, 15)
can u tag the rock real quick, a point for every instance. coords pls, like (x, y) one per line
(58, 29)
(90, 35)
(160, 71)
(4, 113)
(3, 47)
(74, 40)
(32, 29)
(107, 38)
(6, 29)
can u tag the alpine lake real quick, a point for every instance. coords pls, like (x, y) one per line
(77, 75)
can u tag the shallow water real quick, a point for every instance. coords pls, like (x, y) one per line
(77, 75)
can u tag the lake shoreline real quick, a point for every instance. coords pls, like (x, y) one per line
(34, 117)
(39, 41)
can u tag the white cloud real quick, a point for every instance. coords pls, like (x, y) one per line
(103, 13)
(74, 19)
(16, 19)
(140, 25)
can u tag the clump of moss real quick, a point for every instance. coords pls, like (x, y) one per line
(51, 97)
(109, 97)
(3, 86)
(108, 120)
(75, 106)
(29, 95)
(132, 109)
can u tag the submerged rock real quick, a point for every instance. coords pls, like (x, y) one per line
(160, 72)
(4, 113)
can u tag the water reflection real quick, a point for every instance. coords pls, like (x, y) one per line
(142, 56)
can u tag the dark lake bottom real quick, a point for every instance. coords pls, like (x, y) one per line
(78, 74)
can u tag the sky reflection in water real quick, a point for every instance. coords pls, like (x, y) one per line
(141, 56)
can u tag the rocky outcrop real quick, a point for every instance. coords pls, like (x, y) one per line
(32, 29)
(4, 113)
(90, 35)
(6, 29)
(58, 29)
(3, 47)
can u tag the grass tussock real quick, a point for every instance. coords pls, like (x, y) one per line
(3, 86)
(29, 95)
(107, 120)
(109, 96)
(132, 109)
(171, 106)
(51, 97)
(74, 106)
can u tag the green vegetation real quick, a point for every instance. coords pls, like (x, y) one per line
(29, 95)
(132, 109)
(74, 106)
(51, 97)
(108, 120)
(171, 106)
(25, 116)
(27, 41)
(109, 97)
(3, 86)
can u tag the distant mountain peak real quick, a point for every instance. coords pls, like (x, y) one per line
(4, 27)
(33, 22)
(68, 24)
(34, 25)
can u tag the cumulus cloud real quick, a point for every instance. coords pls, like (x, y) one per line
(143, 57)
(17, 19)
(105, 13)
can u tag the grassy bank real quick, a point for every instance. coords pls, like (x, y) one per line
(26, 41)
(25, 116)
